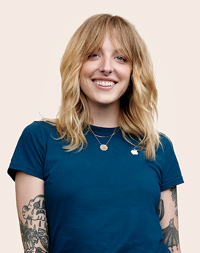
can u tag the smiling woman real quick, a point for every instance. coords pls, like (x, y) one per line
(123, 45)
(99, 177)
(104, 78)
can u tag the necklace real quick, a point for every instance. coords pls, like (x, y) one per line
(104, 147)
(103, 136)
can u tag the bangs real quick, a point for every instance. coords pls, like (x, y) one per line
(120, 35)
(119, 31)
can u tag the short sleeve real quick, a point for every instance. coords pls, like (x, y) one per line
(171, 173)
(29, 153)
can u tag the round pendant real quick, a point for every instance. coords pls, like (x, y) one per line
(103, 147)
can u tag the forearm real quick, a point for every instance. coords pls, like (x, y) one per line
(168, 212)
(32, 216)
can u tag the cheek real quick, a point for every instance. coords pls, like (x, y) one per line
(82, 80)
(126, 76)
(129, 74)
(87, 69)
(85, 74)
(84, 85)
(125, 73)
(125, 88)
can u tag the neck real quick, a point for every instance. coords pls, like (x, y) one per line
(104, 115)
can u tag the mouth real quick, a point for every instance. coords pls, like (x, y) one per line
(104, 83)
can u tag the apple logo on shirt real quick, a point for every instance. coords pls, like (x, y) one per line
(134, 152)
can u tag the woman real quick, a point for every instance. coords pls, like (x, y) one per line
(100, 177)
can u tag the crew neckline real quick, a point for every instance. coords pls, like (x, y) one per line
(98, 129)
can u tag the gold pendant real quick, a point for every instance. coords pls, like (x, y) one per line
(103, 147)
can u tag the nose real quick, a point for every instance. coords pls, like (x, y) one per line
(106, 66)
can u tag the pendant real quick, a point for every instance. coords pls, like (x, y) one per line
(103, 147)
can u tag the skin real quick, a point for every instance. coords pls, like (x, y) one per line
(169, 221)
(105, 65)
(28, 189)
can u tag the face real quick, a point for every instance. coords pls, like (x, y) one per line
(105, 76)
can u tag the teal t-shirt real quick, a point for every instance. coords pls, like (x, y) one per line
(98, 201)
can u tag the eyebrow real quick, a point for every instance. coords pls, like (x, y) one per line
(120, 50)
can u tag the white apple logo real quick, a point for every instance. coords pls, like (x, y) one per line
(134, 152)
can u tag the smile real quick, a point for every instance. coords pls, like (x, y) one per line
(104, 83)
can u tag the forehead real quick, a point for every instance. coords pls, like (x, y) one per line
(112, 40)
(111, 43)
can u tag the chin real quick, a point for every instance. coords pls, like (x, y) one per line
(107, 102)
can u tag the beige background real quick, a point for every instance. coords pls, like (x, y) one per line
(34, 35)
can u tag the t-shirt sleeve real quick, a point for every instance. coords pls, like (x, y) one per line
(171, 173)
(29, 153)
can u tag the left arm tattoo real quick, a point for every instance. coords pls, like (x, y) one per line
(168, 216)
(161, 210)
(174, 198)
(171, 236)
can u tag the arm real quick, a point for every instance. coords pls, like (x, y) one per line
(32, 213)
(168, 214)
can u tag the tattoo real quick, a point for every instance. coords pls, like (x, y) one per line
(170, 235)
(35, 229)
(174, 195)
(174, 198)
(161, 210)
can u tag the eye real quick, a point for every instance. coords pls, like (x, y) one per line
(94, 55)
(121, 58)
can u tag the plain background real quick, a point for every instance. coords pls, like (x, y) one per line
(34, 35)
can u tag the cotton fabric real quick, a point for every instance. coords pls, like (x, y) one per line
(98, 201)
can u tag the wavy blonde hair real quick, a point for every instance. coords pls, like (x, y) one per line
(137, 105)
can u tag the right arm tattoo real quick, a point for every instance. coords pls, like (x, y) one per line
(34, 230)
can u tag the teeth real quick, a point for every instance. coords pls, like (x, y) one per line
(104, 83)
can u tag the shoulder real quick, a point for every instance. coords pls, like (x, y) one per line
(171, 173)
(166, 151)
(165, 141)
(166, 146)
(40, 128)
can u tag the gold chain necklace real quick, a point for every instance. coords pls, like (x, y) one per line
(104, 147)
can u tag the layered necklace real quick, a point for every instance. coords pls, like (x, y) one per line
(104, 147)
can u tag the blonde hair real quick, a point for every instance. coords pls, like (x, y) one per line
(137, 105)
